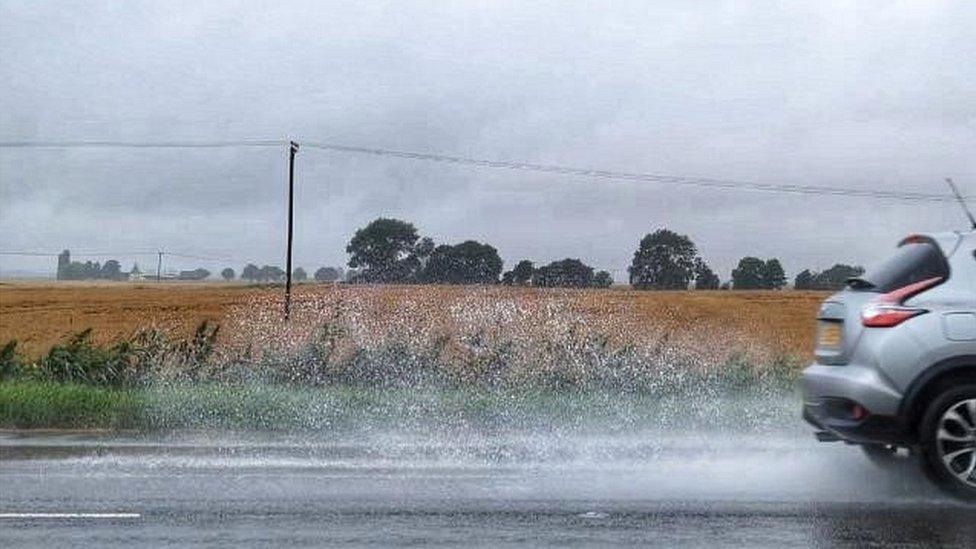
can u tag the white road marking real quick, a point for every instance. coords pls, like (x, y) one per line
(69, 515)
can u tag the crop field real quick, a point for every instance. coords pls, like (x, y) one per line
(463, 352)
(39, 315)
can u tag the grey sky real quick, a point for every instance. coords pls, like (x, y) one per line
(855, 94)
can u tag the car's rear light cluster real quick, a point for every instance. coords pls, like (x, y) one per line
(889, 309)
(887, 316)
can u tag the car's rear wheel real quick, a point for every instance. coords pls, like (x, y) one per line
(948, 441)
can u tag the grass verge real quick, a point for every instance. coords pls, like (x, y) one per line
(41, 405)
(37, 405)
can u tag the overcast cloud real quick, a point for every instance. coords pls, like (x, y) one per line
(857, 94)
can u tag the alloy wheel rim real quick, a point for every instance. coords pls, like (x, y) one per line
(956, 441)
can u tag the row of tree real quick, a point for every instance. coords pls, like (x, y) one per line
(755, 274)
(391, 251)
(830, 279)
(565, 273)
(273, 273)
(74, 270)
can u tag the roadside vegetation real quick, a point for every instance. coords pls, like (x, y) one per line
(30, 403)
(328, 373)
(574, 362)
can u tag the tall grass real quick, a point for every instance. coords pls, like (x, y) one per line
(336, 364)
(564, 362)
(486, 340)
(128, 362)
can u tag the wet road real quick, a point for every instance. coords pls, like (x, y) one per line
(468, 489)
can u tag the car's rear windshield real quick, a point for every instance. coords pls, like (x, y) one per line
(913, 262)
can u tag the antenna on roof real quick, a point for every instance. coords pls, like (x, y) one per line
(962, 201)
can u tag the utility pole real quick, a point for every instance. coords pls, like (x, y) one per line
(159, 266)
(292, 150)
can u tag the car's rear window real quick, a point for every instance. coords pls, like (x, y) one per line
(912, 263)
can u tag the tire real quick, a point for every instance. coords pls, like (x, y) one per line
(947, 440)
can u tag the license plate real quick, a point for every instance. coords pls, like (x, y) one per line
(830, 334)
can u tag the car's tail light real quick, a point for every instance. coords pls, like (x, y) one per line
(889, 309)
(887, 316)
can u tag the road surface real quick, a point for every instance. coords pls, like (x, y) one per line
(467, 489)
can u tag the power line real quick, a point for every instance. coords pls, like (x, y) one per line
(643, 177)
(707, 182)
(75, 254)
(122, 254)
(140, 144)
(205, 258)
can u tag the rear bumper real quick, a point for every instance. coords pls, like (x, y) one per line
(871, 430)
(829, 392)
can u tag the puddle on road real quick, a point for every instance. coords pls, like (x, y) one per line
(647, 465)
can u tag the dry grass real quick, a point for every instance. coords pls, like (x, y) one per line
(39, 315)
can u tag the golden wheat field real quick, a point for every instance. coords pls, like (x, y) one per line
(39, 315)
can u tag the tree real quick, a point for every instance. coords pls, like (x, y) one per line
(522, 273)
(251, 272)
(705, 279)
(602, 279)
(111, 270)
(835, 277)
(271, 273)
(773, 276)
(385, 251)
(664, 260)
(327, 274)
(440, 265)
(567, 273)
(227, 274)
(749, 274)
(469, 262)
(755, 274)
(73, 270)
(424, 248)
(508, 278)
(804, 280)
(299, 275)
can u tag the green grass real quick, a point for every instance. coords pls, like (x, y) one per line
(150, 383)
(39, 404)
(572, 376)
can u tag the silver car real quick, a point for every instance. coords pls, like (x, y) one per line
(895, 368)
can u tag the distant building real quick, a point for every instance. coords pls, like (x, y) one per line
(196, 274)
